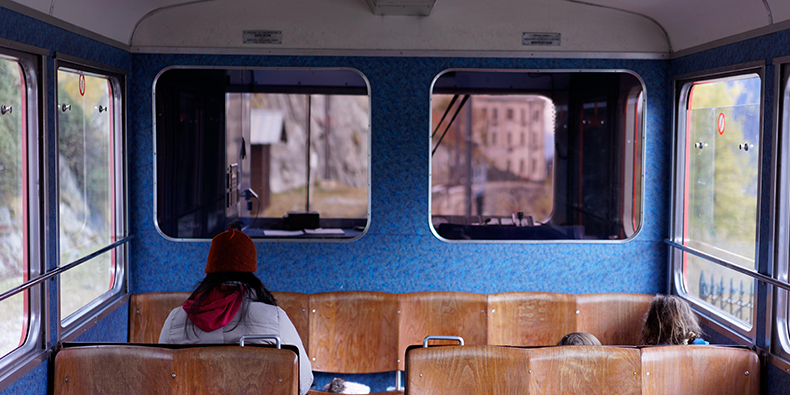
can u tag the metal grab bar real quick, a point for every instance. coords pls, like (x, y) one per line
(459, 339)
(46, 276)
(266, 337)
(732, 266)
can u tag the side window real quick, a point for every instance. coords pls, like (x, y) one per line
(718, 159)
(14, 239)
(90, 187)
(573, 171)
(282, 154)
(781, 344)
(20, 231)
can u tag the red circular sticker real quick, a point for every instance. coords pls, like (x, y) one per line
(82, 85)
(721, 123)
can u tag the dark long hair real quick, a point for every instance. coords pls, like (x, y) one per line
(253, 291)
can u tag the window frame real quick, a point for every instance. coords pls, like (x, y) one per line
(780, 194)
(35, 348)
(78, 322)
(682, 84)
(280, 239)
(643, 117)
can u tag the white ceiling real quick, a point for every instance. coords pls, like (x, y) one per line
(652, 26)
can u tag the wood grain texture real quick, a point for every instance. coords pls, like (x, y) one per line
(614, 318)
(295, 305)
(114, 369)
(440, 313)
(687, 370)
(354, 332)
(236, 370)
(584, 370)
(148, 312)
(467, 370)
(530, 318)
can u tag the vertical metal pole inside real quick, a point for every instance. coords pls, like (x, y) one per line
(468, 141)
(307, 159)
(327, 129)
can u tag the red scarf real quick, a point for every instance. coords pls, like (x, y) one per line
(218, 309)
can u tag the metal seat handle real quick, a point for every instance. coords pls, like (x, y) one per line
(261, 337)
(459, 339)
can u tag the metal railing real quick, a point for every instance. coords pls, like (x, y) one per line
(730, 300)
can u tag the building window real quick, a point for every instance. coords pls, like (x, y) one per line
(509, 114)
(90, 187)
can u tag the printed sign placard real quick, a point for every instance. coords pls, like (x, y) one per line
(263, 37)
(541, 39)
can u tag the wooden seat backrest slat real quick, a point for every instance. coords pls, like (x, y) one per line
(614, 318)
(467, 370)
(354, 332)
(440, 313)
(114, 370)
(686, 370)
(530, 318)
(148, 312)
(295, 305)
(584, 370)
(130, 369)
(236, 370)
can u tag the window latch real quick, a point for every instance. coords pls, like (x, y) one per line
(64, 107)
(5, 110)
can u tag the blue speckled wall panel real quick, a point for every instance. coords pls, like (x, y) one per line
(399, 253)
(114, 328)
(32, 383)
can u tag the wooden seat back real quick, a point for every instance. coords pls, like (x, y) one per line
(440, 313)
(295, 305)
(584, 370)
(135, 369)
(354, 332)
(686, 370)
(530, 318)
(148, 312)
(614, 318)
(467, 370)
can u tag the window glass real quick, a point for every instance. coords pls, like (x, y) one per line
(569, 168)
(721, 190)
(280, 153)
(14, 311)
(86, 185)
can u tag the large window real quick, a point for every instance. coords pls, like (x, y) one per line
(14, 239)
(280, 154)
(90, 186)
(717, 193)
(781, 334)
(20, 231)
(563, 163)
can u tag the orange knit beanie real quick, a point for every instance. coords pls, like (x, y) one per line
(232, 251)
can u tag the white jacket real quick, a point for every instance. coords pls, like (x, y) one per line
(261, 319)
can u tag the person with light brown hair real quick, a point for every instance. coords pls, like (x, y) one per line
(579, 339)
(670, 320)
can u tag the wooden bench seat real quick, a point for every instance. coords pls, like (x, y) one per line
(145, 369)
(582, 370)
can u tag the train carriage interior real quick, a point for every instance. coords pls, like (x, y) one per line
(494, 175)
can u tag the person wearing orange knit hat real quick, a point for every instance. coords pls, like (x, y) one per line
(231, 302)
